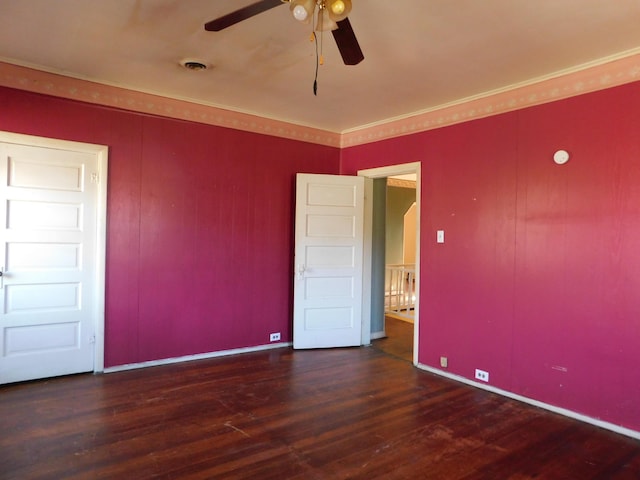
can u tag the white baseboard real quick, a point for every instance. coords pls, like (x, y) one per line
(505, 393)
(200, 356)
(561, 411)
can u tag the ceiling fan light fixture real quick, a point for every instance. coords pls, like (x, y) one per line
(329, 13)
(338, 9)
(325, 22)
(302, 10)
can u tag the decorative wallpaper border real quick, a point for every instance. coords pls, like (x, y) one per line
(38, 81)
(588, 78)
(401, 183)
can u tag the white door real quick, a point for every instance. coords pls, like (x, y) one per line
(48, 238)
(328, 261)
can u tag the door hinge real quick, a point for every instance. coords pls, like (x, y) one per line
(92, 339)
(95, 178)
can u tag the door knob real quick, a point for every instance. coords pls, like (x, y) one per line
(301, 269)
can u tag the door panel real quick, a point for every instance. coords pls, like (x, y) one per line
(328, 261)
(48, 240)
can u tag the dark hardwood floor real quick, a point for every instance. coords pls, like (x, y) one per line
(281, 414)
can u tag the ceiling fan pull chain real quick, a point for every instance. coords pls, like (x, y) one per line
(315, 80)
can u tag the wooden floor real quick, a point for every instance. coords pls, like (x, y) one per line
(399, 339)
(355, 413)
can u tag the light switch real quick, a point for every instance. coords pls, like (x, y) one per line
(440, 236)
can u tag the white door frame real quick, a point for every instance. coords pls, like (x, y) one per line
(370, 174)
(101, 152)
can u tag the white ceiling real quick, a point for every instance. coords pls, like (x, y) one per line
(419, 54)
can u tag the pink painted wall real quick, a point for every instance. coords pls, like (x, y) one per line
(538, 282)
(200, 225)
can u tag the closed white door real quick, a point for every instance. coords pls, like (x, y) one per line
(49, 263)
(328, 261)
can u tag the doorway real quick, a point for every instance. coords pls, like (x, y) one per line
(374, 265)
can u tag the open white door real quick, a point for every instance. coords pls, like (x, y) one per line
(329, 240)
(50, 295)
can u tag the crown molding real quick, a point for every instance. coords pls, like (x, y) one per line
(606, 73)
(591, 77)
(49, 83)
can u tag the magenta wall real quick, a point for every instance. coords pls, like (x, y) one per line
(200, 225)
(539, 279)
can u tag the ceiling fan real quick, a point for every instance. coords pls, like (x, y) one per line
(331, 14)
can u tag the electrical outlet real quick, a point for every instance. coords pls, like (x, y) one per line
(444, 362)
(274, 337)
(482, 375)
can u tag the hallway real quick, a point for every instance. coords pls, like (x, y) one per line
(399, 339)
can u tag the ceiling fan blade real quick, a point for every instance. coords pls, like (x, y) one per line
(240, 15)
(347, 43)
